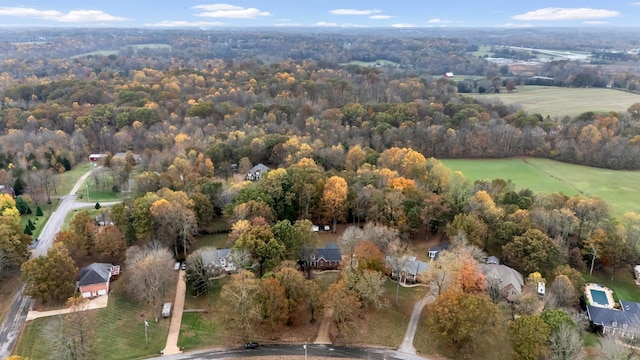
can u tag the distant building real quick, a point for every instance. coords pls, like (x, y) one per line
(508, 280)
(406, 268)
(94, 279)
(7, 190)
(448, 75)
(435, 251)
(257, 171)
(328, 258)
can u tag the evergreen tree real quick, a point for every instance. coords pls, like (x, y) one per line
(39, 211)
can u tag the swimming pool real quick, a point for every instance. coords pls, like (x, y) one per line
(599, 297)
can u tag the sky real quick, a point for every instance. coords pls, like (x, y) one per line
(318, 13)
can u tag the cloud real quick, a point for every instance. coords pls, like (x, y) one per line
(286, 24)
(554, 13)
(354, 12)
(512, 25)
(323, 23)
(403, 25)
(595, 22)
(381, 17)
(73, 16)
(438, 21)
(228, 11)
(167, 23)
(636, 3)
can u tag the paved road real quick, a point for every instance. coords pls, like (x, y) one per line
(280, 351)
(176, 318)
(12, 324)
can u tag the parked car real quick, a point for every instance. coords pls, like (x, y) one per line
(251, 345)
(166, 310)
(183, 266)
(176, 266)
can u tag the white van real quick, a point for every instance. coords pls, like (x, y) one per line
(166, 310)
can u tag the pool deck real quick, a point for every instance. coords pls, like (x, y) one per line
(606, 290)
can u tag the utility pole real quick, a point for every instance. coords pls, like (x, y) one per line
(87, 186)
(305, 350)
(146, 335)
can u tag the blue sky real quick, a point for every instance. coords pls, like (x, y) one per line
(318, 13)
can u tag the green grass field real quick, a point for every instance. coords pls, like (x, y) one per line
(616, 187)
(557, 102)
(119, 330)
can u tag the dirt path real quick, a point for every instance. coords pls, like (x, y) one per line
(176, 318)
(407, 342)
(323, 331)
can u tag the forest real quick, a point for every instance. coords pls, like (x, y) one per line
(344, 144)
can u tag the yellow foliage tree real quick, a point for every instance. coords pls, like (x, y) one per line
(334, 198)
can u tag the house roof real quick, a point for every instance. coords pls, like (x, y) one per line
(214, 256)
(411, 265)
(506, 275)
(96, 273)
(262, 168)
(331, 252)
(629, 315)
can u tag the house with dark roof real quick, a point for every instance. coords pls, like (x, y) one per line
(434, 251)
(330, 257)
(257, 171)
(406, 268)
(94, 279)
(617, 322)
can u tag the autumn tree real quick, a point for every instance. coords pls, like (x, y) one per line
(464, 325)
(334, 198)
(13, 243)
(274, 305)
(84, 226)
(294, 286)
(533, 251)
(201, 269)
(109, 244)
(369, 256)
(149, 273)
(529, 335)
(260, 242)
(242, 291)
(50, 277)
(344, 304)
(565, 343)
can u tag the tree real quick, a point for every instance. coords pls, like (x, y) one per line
(554, 318)
(84, 226)
(593, 245)
(241, 292)
(565, 343)
(612, 349)
(294, 285)
(345, 306)
(368, 284)
(564, 294)
(369, 256)
(109, 244)
(273, 300)
(14, 244)
(200, 272)
(149, 271)
(50, 277)
(334, 198)
(350, 239)
(75, 334)
(22, 205)
(533, 251)
(529, 334)
(463, 325)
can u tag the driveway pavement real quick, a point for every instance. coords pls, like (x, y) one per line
(97, 303)
(176, 318)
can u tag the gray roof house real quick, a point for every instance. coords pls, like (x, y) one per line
(406, 267)
(94, 279)
(434, 251)
(330, 257)
(257, 171)
(220, 258)
(623, 322)
(510, 281)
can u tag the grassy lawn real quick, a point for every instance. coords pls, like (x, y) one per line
(558, 102)
(119, 330)
(9, 282)
(219, 241)
(66, 180)
(204, 329)
(623, 285)
(387, 327)
(616, 187)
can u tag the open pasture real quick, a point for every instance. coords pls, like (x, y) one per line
(557, 102)
(616, 187)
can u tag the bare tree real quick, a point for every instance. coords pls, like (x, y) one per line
(73, 336)
(565, 343)
(610, 349)
(149, 272)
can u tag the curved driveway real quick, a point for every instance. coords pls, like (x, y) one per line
(12, 324)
